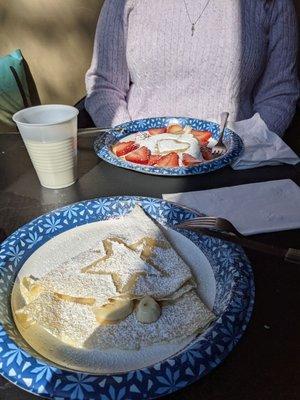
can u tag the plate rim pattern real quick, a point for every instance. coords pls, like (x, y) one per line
(229, 263)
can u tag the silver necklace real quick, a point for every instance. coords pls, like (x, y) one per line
(194, 23)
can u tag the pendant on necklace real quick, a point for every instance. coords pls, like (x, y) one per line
(193, 29)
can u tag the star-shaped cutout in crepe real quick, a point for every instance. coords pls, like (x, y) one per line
(126, 263)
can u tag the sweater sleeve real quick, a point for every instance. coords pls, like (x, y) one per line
(107, 80)
(276, 94)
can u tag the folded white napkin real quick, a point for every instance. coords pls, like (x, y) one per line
(252, 208)
(262, 146)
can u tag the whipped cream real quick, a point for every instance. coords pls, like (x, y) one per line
(167, 142)
(211, 142)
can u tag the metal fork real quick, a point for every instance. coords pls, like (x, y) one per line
(224, 229)
(219, 149)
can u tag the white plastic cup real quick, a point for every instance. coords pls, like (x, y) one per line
(50, 136)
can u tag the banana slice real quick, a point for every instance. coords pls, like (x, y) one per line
(148, 310)
(113, 312)
(187, 129)
(174, 128)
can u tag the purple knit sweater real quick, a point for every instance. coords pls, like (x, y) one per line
(242, 59)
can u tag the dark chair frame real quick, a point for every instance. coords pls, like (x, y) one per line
(84, 119)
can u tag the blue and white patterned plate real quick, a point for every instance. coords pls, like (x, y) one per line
(232, 141)
(233, 306)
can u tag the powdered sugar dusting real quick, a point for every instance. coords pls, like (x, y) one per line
(178, 320)
(137, 246)
(65, 281)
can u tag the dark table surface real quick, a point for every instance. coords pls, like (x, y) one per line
(266, 362)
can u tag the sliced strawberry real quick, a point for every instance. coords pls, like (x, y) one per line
(122, 148)
(157, 131)
(139, 156)
(189, 160)
(153, 159)
(202, 136)
(169, 160)
(174, 128)
(206, 153)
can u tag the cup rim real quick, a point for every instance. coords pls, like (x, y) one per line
(20, 112)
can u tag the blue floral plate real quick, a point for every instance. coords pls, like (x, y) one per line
(232, 141)
(233, 306)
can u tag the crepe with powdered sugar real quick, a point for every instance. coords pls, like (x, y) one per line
(133, 259)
